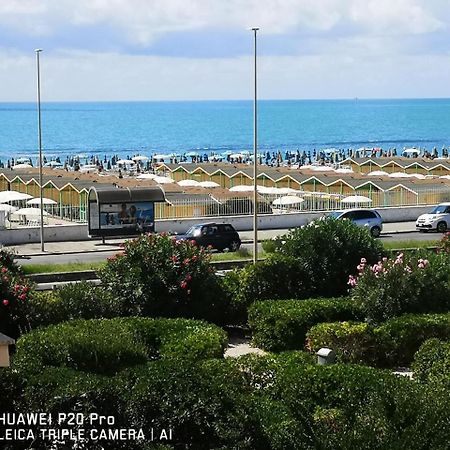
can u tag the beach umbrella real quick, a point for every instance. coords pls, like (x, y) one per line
(241, 188)
(411, 151)
(209, 184)
(22, 166)
(146, 176)
(124, 162)
(446, 177)
(7, 208)
(344, 170)
(377, 173)
(160, 156)
(45, 201)
(287, 191)
(399, 175)
(30, 212)
(321, 168)
(140, 158)
(191, 154)
(53, 164)
(23, 159)
(11, 196)
(163, 180)
(188, 183)
(353, 199)
(288, 200)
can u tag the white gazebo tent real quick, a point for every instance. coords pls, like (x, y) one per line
(356, 200)
(287, 203)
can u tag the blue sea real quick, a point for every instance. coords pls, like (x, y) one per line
(130, 128)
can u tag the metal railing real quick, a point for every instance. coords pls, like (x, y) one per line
(243, 204)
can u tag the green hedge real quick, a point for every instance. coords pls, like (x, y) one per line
(432, 362)
(391, 344)
(283, 324)
(272, 402)
(108, 346)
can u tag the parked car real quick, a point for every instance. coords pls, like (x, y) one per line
(438, 219)
(219, 236)
(367, 218)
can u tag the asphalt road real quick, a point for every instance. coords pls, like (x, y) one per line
(95, 256)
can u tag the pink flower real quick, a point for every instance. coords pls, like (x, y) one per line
(188, 277)
(363, 260)
(22, 297)
(4, 270)
(352, 281)
(183, 285)
(6, 302)
(186, 261)
(408, 269)
(384, 259)
(174, 259)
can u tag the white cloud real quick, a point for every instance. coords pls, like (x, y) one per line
(144, 20)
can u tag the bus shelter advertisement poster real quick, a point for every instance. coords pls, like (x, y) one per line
(138, 215)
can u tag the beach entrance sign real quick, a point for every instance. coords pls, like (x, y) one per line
(122, 212)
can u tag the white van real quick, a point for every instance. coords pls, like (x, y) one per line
(438, 219)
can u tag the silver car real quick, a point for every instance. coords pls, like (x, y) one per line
(367, 218)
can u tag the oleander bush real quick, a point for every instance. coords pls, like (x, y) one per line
(330, 249)
(444, 243)
(418, 283)
(156, 275)
(391, 344)
(277, 277)
(14, 295)
(432, 362)
(108, 346)
(282, 324)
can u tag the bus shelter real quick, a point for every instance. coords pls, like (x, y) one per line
(122, 211)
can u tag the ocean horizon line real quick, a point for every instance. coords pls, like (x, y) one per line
(338, 99)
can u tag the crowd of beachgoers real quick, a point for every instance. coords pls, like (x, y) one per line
(288, 158)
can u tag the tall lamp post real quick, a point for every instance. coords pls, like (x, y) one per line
(38, 51)
(255, 160)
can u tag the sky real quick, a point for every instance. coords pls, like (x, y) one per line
(107, 50)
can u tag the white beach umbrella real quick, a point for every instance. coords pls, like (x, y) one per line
(377, 173)
(11, 196)
(163, 180)
(399, 175)
(237, 155)
(288, 200)
(7, 208)
(146, 176)
(45, 201)
(53, 164)
(446, 177)
(23, 159)
(140, 158)
(124, 162)
(209, 184)
(241, 188)
(30, 212)
(160, 156)
(344, 170)
(353, 199)
(287, 191)
(321, 168)
(188, 183)
(22, 166)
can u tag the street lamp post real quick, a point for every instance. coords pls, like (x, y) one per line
(255, 160)
(38, 51)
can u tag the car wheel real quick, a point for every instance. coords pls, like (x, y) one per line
(234, 246)
(375, 232)
(441, 227)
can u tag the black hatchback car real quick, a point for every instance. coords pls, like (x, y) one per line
(219, 236)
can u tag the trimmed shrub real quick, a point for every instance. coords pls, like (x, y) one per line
(432, 362)
(330, 249)
(401, 337)
(108, 346)
(277, 277)
(11, 388)
(156, 275)
(73, 301)
(391, 344)
(444, 243)
(353, 342)
(283, 324)
(406, 284)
